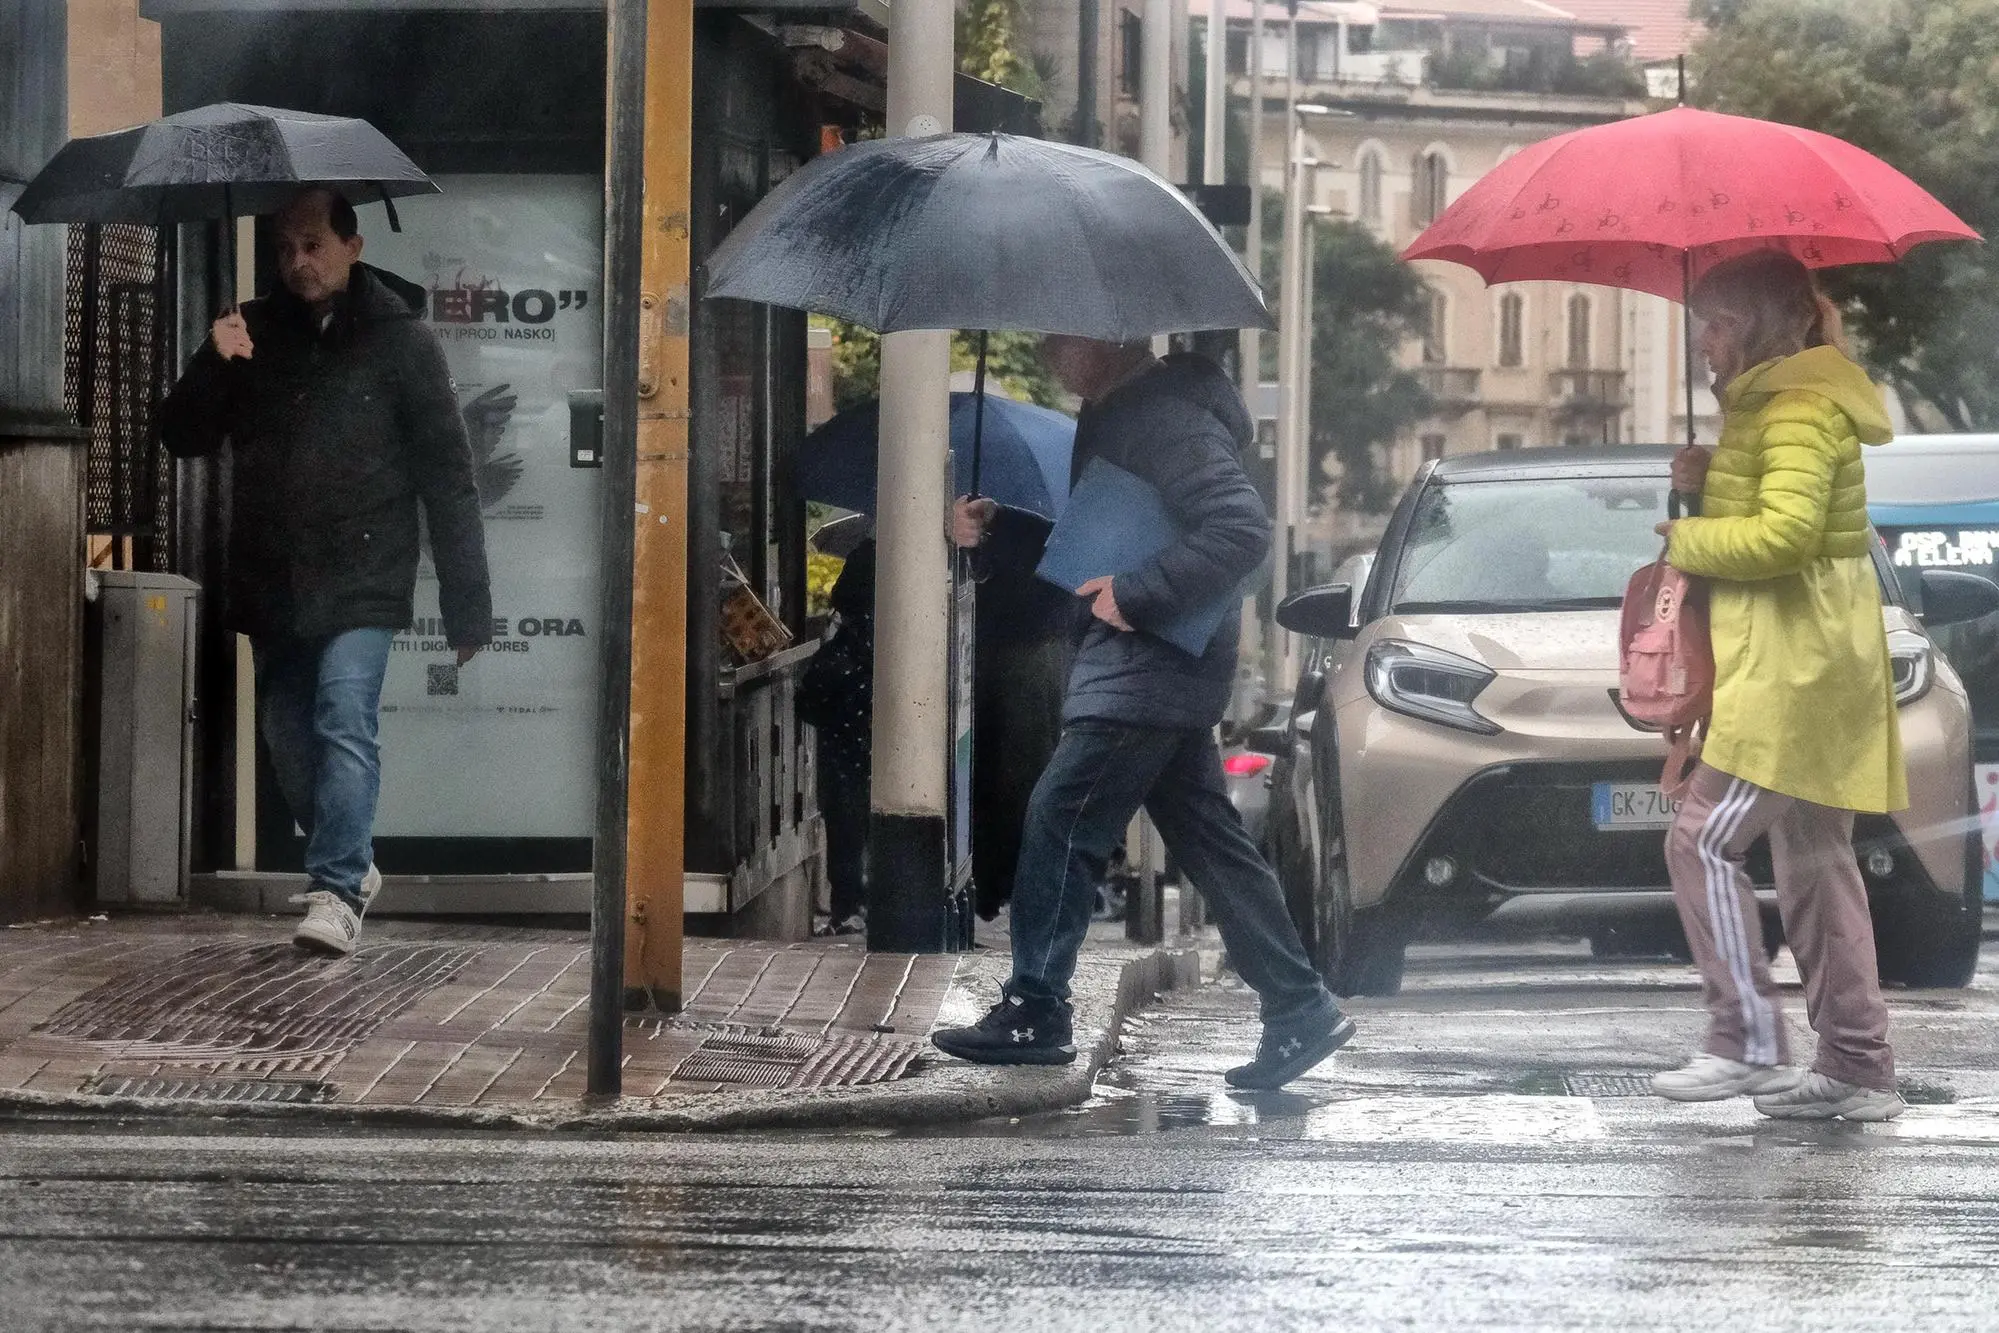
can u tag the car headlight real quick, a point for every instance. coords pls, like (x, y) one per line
(1909, 657)
(1420, 681)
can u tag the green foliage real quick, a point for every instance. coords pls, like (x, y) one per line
(986, 46)
(1604, 74)
(1917, 83)
(1366, 303)
(1013, 365)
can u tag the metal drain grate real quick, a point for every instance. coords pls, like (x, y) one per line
(1608, 1085)
(291, 1092)
(252, 1008)
(794, 1060)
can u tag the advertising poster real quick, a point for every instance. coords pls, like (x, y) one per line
(505, 747)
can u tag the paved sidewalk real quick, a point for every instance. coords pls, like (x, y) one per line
(487, 1025)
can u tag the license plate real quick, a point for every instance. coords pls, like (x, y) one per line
(1625, 806)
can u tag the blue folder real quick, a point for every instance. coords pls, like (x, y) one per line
(1116, 522)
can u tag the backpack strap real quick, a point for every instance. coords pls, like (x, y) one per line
(1683, 756)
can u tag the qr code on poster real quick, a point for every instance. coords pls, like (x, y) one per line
(443, 679)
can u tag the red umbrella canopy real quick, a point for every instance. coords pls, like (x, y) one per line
(1628, 203)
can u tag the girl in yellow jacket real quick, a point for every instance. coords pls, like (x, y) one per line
(1804, 732)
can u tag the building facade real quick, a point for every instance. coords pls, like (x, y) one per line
(1428, 100)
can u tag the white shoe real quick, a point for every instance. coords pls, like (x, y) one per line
(1818, 1097)
(1714, 1078)
(371, 884)
(330, 925)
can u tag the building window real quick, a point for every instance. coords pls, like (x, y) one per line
(1576, 441)
(1512, 337)
(1433, 187)
(1579, 322)
(1131, 52)
(1507, 440)
(1370, 187)
(1433, 448)
(1435, 322)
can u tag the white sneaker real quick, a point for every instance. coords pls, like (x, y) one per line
(1817, 1097)
(371, 884)
(330, 925)
(1714, 1078)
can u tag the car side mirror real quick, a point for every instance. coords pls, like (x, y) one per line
(1951, 598)
(1325, 612)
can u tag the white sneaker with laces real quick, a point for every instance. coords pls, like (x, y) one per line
(330, 925)
(1819, 1097)
(371, 884)
(1715, 1078)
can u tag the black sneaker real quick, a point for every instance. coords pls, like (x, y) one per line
(1285, 1053)
(1015, 1031)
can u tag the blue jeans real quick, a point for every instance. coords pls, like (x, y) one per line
(318, 704)
(1100, 775)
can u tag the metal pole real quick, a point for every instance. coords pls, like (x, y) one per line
(909, 896)
(624, 204)
(1214, 145)
(1089, 30)
(1252, 339)
(1155, 91)
(1288, 337)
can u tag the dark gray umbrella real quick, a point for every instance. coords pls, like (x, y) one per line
(978, 231)
(988, 231)
(220, 161)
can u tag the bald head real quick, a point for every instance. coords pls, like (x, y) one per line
(319, 242)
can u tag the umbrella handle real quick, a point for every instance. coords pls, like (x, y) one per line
(979, 411)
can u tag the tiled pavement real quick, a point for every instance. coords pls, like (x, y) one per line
(432, 1015)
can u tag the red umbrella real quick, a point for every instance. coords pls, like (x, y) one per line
(1621, 204)
(1650, 203)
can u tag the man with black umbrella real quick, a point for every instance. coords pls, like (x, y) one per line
(1140, 713)
(344, 426)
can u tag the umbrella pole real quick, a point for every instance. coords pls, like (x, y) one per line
(1687, 326)
(228, 251)
(979, 410)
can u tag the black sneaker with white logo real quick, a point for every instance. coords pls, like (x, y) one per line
(1016, 1031)
(1286, 1052)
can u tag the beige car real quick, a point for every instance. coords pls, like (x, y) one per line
(1455, 748)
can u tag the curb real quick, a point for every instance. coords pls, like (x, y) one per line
(938, 1090)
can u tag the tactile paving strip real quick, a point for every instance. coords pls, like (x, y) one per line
(251, 1008)
(760, 1059)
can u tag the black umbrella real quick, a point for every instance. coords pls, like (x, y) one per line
(219, 161)
(976, 231)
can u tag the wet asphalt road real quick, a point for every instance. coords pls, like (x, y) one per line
(1445, 1174)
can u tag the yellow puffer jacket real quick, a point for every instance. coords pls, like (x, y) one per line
(1804, 700)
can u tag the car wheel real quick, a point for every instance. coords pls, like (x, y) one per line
(1932, 945)
(1359, 951)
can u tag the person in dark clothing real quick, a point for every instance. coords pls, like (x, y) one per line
(1139, 717)
(343, 426)
(836, 699)
(1016, 719)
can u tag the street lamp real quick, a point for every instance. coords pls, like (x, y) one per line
(1294, 350)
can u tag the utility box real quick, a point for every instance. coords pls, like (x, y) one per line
(145, 732)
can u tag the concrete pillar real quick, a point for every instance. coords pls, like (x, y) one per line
(909, 906)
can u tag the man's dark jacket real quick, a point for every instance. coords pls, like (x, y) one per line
(337, 436)
(1181, 426)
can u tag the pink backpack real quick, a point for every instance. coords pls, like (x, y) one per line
(1666, 665)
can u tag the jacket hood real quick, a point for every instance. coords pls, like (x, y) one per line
(1198, 381)
(1827, 372)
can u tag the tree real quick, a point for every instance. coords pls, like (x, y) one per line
(1366, 304)
(1912, 82)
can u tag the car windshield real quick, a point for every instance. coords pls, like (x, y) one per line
(1559, 544)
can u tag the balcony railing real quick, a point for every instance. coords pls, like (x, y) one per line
(1450, 386)
(1587, 392)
